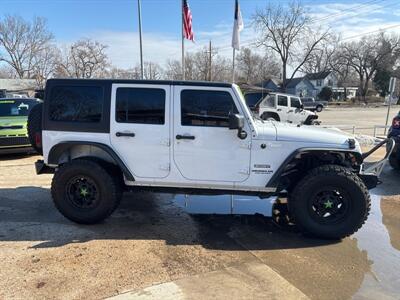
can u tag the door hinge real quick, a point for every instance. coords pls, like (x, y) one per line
(165, 167)
(166, 142)
(245, 171)
(246, 145)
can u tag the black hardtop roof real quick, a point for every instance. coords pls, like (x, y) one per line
(133, 81)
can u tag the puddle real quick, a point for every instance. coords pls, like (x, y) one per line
(379, 242)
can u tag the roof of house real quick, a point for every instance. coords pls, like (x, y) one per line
(17, 84)
(318, 75)
(294, 82)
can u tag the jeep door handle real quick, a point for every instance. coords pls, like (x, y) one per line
(128, 134)
(185, 137)
(279, 109)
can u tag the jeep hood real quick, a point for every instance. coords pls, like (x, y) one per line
(310, 134)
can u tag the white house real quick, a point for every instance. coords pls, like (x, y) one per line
(322, 79)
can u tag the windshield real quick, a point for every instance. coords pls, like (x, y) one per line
(253, 98)
(12, 108)
(245, 107)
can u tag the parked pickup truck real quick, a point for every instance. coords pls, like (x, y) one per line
(103, 137)
(311, 104)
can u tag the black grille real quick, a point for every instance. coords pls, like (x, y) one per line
(14, 141)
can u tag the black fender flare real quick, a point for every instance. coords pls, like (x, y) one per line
(309, 119)
(270, 114)
(275, 179)
(57, 150)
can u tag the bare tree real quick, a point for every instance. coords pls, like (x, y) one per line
(289, 32)
(197, 67)
(6, 72)
(21, 42)
(118, 73)
(45, 63)
(151, 71)
(321, 59)
(83, 59)
(367, 55)
(254, 68)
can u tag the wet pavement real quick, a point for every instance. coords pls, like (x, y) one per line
(150, 242)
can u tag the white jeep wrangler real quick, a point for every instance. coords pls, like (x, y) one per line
(102, 137)
(285, 108)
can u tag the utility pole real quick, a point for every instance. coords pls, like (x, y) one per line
(392, 86)
(209, 62)
(140, 38)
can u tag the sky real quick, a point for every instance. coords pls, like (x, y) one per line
(115, 22)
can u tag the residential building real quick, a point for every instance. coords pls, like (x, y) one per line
(322, 79)
(301, 87)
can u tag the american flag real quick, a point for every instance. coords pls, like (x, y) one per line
(187, 22)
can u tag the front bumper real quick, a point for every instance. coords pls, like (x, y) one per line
(370, 171)
(310, 119)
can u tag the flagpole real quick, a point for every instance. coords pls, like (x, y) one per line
(140, 38)
(183, 45)
(233, 66)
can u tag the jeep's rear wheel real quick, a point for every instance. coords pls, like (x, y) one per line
(319, 108)
(330, 202)
(84, 192)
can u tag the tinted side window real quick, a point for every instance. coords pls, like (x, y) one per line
(282, 101)
(140, 105)
(295, 102)
(206, 108)
(76, 104)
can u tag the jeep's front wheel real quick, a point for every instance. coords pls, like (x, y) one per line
(84, 192)
(330, 202)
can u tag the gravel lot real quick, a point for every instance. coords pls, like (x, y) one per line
(153, 248)
(358, 116)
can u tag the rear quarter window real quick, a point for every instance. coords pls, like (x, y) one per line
(76, 104)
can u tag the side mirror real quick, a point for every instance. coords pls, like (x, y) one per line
(236, 121)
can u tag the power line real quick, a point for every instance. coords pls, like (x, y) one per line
(366, 12)
(370, 32)
(348, 10)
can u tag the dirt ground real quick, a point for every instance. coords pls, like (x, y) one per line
(151, 247)
(359, 117)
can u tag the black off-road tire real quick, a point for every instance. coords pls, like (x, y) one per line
(394, 161)
(330, 177)
(319, 108)
(34, 127)
(108, 188)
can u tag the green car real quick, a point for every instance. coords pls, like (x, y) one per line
(13, 122)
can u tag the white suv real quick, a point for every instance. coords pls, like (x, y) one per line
(102, 137)
(285, 108)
